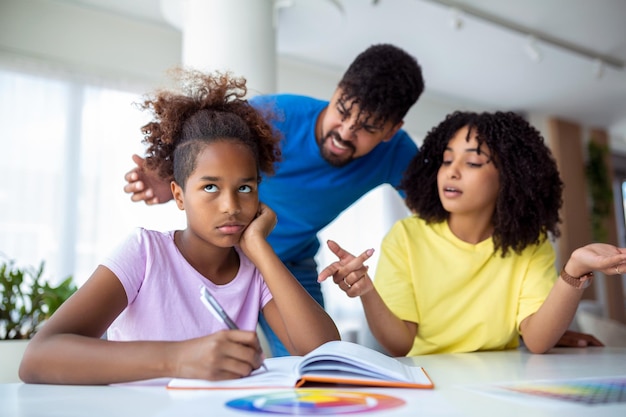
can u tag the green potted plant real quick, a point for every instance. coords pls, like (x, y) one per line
(27, 300)
(601, 190)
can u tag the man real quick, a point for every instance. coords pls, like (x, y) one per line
(333, 152)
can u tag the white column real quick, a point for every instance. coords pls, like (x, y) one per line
(231, 35)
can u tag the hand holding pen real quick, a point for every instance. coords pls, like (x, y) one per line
(218, 311)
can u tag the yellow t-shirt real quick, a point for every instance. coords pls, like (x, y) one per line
(463, 297)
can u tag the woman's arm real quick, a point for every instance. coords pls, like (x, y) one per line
(296, 318)
(350, 274)
(543, 329)
(69, 348)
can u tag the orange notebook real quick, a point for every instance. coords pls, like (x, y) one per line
(336, 362)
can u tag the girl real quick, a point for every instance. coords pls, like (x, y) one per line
(473, 268)
(214, 146)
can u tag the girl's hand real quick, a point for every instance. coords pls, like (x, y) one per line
(576, 339)
(259, 228)
(227, 354)
(602, 257)
(349, 272)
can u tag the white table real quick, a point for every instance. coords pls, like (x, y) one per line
(455, 374)
(461, 381)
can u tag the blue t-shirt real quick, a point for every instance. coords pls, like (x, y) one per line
(306, 192)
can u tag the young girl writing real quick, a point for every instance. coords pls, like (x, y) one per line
(146, 295)
(473, 268)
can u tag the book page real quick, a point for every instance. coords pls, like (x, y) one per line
(346, 357)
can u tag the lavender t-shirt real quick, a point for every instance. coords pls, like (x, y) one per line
(163, 291)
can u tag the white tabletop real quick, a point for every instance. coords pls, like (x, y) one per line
(464, 379)
(465, 385)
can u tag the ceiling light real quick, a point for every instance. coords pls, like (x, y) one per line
(532, 50)
(545, 38)
(598, 68)
(456, 19)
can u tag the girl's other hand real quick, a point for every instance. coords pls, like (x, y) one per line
(576, 339)
(227, 354)
(349, 272)
(258, 229)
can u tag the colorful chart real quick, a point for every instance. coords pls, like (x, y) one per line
(589, 391)
(315, 402)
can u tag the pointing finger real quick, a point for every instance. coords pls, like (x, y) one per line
(341, 253)
(328, 271)
(358, 262)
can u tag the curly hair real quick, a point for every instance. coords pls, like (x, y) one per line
(208, 107)
(384, 81)
(530, 193)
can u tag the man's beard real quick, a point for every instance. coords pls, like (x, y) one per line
(331, 158)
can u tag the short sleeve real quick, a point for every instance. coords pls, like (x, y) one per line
(538, 282)
(128, 262)
(393, 275)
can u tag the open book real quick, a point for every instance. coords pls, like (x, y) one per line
(336, 362)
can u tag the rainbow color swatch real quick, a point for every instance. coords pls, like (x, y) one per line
(315, 402)
(588, 391)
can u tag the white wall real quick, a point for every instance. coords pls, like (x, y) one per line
(86, 42)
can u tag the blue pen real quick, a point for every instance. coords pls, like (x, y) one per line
(214, 307)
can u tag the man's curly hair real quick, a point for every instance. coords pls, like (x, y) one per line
(208, 107)
(530, 194)
(384, 81)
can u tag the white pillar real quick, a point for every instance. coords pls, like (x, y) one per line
(231, 35)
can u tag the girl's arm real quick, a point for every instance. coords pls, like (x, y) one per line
(69, 348)
(296, 318)
(350, 274)
(543, 329)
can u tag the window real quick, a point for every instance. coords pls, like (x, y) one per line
(66, 148)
